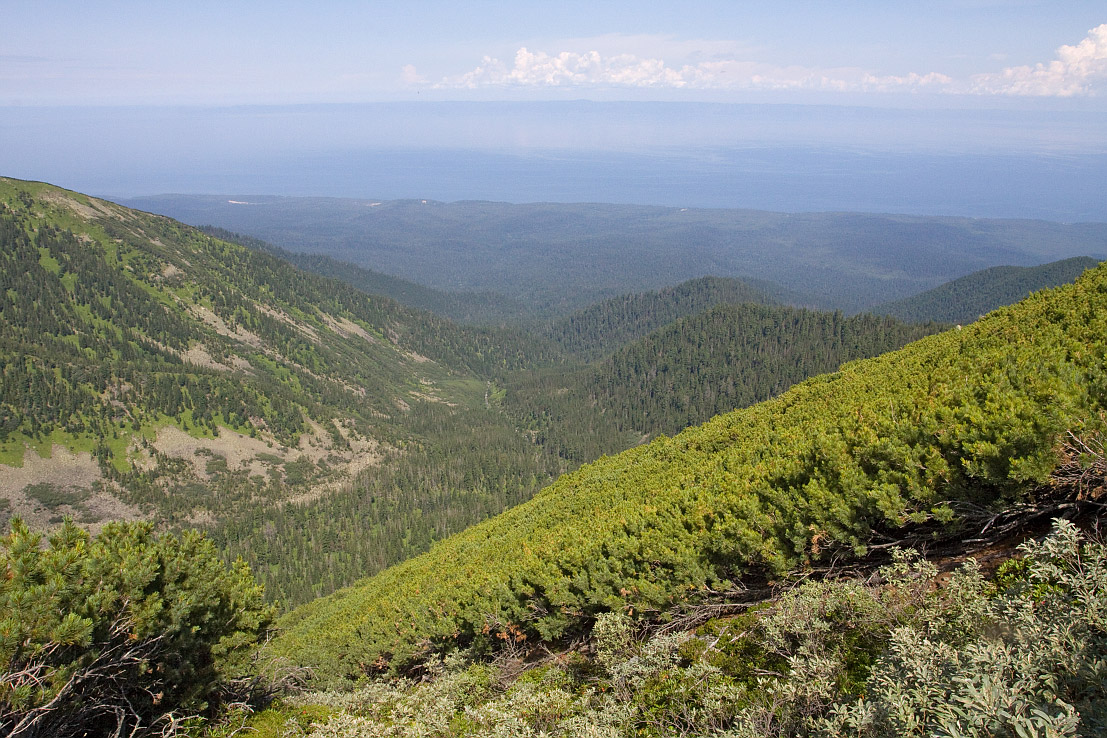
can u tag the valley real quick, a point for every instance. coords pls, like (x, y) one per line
(530, 370)
(159, 373)
(438, 482)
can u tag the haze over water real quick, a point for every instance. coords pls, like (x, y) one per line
(993, 108)
(979, 163)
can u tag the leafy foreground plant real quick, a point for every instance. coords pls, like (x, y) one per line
(904, 655)
(122, 634)
(1035, 664)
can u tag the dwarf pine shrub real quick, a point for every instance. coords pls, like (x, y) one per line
(119, 634)
(908, 653)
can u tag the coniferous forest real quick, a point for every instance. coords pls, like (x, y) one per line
(283, 384)
(252, 489)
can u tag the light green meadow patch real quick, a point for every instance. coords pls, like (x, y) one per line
(48, 262)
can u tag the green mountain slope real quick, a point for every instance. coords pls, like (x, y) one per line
(965, 299)
(562, 257)
(727, 357)
(963, 420)
(152, 371)
(471, 308)
(600, 329)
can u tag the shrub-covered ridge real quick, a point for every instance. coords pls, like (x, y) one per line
(970, 417)
(907, 653)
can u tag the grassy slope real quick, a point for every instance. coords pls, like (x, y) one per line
(973, 414)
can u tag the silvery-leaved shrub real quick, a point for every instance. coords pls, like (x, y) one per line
(1038, 669)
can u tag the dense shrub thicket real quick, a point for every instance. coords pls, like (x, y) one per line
(903, 655)
(967, 419)
(120, 633)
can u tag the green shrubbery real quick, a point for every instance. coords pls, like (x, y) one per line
(907, 653)
(127, 631)
(955, 426)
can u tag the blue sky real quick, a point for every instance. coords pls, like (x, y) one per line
(943, 52)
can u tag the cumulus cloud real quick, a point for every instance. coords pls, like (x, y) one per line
(410, 75)
(593, 69)
(570, 69)
(1077, 70)
(932, 81)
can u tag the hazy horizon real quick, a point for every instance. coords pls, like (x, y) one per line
(983, 108)
(1044, 164)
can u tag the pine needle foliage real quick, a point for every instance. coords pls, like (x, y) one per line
(906, 653)
(120, 632)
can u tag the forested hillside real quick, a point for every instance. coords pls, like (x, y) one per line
(474, 461)
(600, 329)
(152, 371)
(932, 440)
(562, 257)
(727, 357)
(965, 299)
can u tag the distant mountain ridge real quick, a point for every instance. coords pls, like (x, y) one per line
(563, 257)
(470, 308)
(965, 299)
(606, 326)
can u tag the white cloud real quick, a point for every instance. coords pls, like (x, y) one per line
(570, 69)
(714, 65)
(1077, 70)
(410, 75)
(931, 82)
(593, 69)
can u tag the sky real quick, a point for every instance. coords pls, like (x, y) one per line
(850, 52)
(989, 108)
